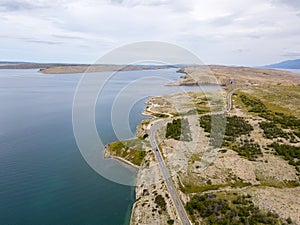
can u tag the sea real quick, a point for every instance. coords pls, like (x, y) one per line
(289, 70)
(44, 178)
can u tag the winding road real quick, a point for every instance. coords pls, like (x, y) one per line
(229, 95)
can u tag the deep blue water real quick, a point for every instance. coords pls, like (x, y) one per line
(43, 177)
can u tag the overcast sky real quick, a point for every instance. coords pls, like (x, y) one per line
(230, 32)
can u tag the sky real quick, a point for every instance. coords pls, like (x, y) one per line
(227, 32)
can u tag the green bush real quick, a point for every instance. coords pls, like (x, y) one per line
(249, 150)
(275, 119)
(133, 154)
(271, 130)
(160, 201)
(237, 126)
(236, 211)
(254, 104)
(224, 130)
(179, 129)
(289, 152)
(170, 222)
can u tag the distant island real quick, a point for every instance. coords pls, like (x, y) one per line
(63, 68)
(289, 64)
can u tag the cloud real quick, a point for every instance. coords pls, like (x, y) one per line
(291, 3)
(14, 6)
(19, 5)
(67, 37)
(45, 42)
(291, 54)
(240, 51)
(248, 32)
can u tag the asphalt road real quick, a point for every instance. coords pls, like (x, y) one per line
(168, 180)
(229, 100)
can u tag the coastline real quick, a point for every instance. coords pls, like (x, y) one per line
(191, 181)
(149, 179)
(107, 155)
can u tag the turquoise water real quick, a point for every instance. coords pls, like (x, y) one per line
(43, 177)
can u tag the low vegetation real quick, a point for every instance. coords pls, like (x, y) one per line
(276, 121)
(253, 104)
(161, 203)
(282, 99)
(289, 152)
(190, 187)
(248, 149)
(230, 209)
(215, 125)
(200, 102)
(271, 130)
(170, 222)
(179, 129)
(236, 127)
(130, 150)
(280, 123)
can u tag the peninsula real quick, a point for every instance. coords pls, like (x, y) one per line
(252, 177)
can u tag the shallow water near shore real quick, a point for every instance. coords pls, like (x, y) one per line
(43, 177)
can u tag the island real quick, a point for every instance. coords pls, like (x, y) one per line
(254, 175)
(63, 68)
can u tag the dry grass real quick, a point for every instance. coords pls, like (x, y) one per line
(284, 99)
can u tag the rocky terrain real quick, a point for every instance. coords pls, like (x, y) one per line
(225, 75)
(246, 171)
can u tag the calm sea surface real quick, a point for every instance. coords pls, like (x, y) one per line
(43, 177)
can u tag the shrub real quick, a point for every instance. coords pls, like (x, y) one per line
(170, 222)
(219, 211)
(272, 131)
(289, 152)
(232, 128)
(249, 150)
(160, 201)
(179, 129)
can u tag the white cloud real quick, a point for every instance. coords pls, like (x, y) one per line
(248, 32)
